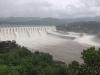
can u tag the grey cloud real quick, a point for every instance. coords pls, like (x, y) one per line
(49, 8)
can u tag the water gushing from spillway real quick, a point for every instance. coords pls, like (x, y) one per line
(24, 33)
(33, 37)
(40, 35)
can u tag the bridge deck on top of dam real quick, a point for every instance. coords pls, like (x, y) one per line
(22, 25)
(26, 27)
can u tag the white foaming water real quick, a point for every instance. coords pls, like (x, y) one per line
(37, 36)
(31, 37)
(81, 38)
(87, 39)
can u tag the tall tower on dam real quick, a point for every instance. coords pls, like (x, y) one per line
(24, 32)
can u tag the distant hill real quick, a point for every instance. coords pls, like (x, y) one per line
(44, 21)
(88, 27)
(31, 20)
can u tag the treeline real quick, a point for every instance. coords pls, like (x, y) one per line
(17, 60)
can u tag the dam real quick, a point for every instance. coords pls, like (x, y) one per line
(21, 32)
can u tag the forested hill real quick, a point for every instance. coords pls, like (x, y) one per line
(44, 21)
(32, 20)
(88, 27)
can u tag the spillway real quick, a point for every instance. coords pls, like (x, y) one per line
(24, 32)
(30, 36)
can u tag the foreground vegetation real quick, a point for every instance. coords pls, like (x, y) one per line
(17, 60)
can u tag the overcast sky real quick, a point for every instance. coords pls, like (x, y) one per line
(49, 8)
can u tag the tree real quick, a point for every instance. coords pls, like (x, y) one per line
(91, 66)
(73, 68)
(91, 56)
